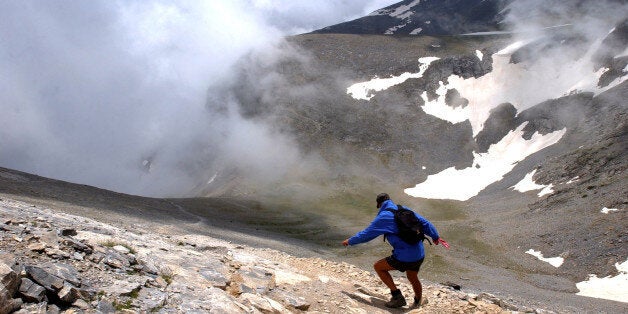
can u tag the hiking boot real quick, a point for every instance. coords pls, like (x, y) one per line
(419, 302)
(396, 301)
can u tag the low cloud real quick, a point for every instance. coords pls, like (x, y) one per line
(115, 93)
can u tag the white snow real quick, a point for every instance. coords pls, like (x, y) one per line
(554, 261)
(527, 184)
(400, 10)
(439, 108)
(423, 167)
(365, 90)
(610, 288)
(416, 31)
(479, 54)
(574, 179)
(393, 29)
(487, 168)
(608, 210)
(546, 190)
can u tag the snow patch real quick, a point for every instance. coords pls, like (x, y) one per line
(365, 90)
(402, 10)
(479, 54)
(609, 288)
(439, 108)
(527, 184)
(554, 261)
(574, 179)
(546, 190)
(608, 210)
(487, 167)
(393, 29)
(416, 31)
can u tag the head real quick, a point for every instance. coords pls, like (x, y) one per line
(382, 197)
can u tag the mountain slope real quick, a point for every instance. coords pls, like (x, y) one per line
(467, 118)
(426, 17)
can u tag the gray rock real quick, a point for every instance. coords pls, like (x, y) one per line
(69, 293)
(215, 278)
(81, 304)
(298, 303)
(9, 281)
(151, 298)
(258, 278)
(116, 260)
(68, 232)
(45, 279)
(77, 245)
(123, 288)
(261, 303)
(31, 292)
(121, 249)
(64, 271)
(105, 307)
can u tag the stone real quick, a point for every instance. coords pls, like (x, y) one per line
(298, 303)
(66, 272)
(78, 245)
(37, 247)
(259, 302)
(9, 280)
(215, 278)
(69, 293)
(45, 279)
(81, 304)
(152, 298)
(10, 305)
(68, 232)
(31, 292)
(121, 249)
(115, 260)
(123, 288)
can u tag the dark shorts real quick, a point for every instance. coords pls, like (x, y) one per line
(403, 266)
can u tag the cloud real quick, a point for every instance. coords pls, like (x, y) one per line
(114, 93)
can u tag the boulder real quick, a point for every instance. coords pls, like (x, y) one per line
(43, 278)
(31, 292)
(68, 232)
(10, 305)
(69, 293)
(64, 271)
(122, 288)
(9, 280)
(261, 303)
(215, 278)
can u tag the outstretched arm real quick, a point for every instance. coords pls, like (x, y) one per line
(382, 224)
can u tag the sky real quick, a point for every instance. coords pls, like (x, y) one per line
(113, 93)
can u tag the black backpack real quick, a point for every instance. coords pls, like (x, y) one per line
(410, 228)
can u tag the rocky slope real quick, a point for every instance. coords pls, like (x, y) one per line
(53, 262)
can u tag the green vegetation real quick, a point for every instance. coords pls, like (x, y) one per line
(167, 278)
(126, 305)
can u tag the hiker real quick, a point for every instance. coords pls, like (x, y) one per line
(405, 257)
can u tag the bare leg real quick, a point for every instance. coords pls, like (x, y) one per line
(382, 268)
(413, 277)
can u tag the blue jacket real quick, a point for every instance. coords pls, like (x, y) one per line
(384, 223)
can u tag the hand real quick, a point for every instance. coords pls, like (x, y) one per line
(442, 241)
(345, 242)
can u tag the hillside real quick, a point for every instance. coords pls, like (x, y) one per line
(53, 260)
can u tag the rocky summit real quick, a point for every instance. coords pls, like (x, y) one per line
(53, 262)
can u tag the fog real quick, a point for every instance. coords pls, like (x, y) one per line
(115, 93)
